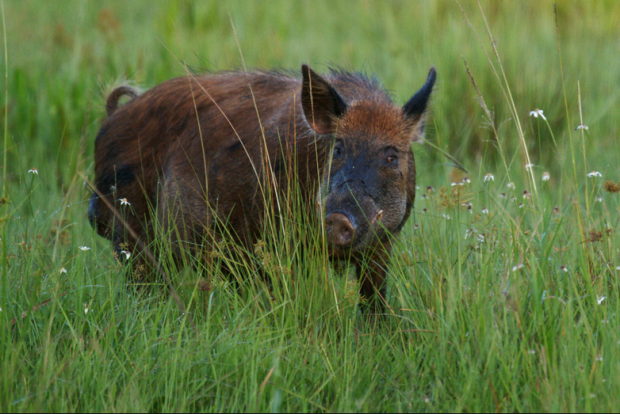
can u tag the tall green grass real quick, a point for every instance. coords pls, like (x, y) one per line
(511, 305)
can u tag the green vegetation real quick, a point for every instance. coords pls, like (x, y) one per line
(510, 306)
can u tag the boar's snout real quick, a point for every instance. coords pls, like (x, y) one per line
(340, 229)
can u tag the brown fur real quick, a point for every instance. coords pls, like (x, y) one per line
(150, 152)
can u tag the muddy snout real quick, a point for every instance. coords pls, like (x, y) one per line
(340, 229)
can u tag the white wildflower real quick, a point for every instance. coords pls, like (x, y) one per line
(447, 217)
(63, 270)
(489, 177)
(126, 253)
(601, 299)
(33, 171)
(595, 174)
(84, 248)
(582, 126)
(124, 202)
(85, 308)
(517, 267)
(563, 268)
(481, 238)
(502, 195)
(520, 205)
(599, 358)
(469, 232)
(466, 180)
(599, 199)
(485, 211)
(512, 186)
(455, 184)
(546, 176)
(536, 113)
(528, 166)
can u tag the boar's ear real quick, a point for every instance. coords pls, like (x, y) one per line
(416, 107)
(320, 102)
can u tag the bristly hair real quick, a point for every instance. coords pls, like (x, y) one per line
(360, 84)
(356, 77)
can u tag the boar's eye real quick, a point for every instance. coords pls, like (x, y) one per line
(391, 156)
(337, 150)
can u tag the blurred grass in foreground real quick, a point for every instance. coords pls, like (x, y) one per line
(509, 306)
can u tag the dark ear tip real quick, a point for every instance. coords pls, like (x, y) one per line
(432, 74)
(305, 70)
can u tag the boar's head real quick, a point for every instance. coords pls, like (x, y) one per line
(367, 177)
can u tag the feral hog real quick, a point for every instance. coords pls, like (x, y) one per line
(195, 154)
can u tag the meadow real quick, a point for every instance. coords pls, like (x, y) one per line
(503, 293)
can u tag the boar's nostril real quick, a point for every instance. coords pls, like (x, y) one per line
(340, 230)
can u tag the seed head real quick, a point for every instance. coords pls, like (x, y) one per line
(611, 187)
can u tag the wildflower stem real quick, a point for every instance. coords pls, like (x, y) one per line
(583, 142)
(570, 135)
(4, 203)
(6, 102)
(551, 132)
(512, 105)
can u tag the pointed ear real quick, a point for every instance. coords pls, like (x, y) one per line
(416, 107)
(321, 103)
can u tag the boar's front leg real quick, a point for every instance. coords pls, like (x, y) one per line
(372, 271)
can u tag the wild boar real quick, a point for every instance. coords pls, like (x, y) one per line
(196, 153)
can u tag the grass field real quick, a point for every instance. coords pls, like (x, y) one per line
(510, 306)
